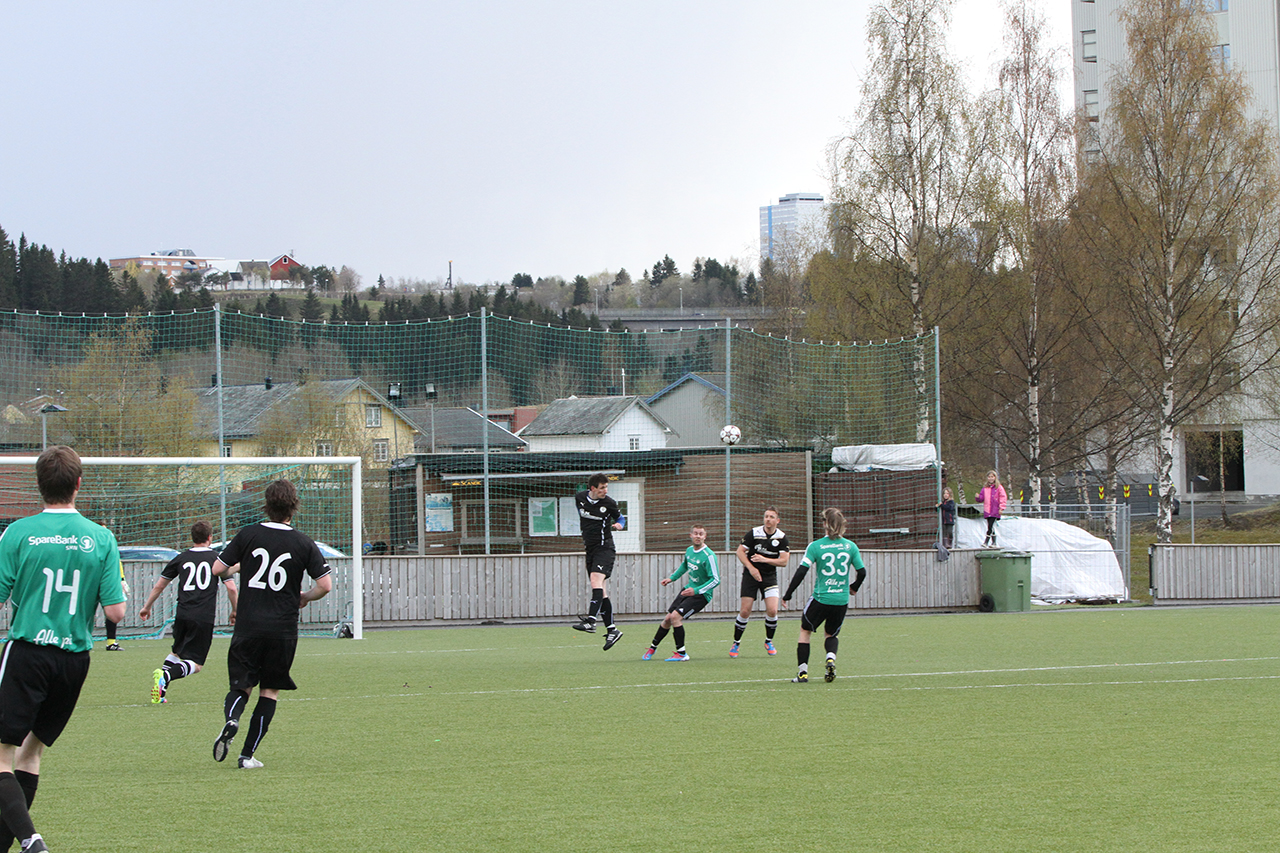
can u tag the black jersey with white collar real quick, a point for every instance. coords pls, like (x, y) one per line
(197, 587)
(760, 543)
(597, 518)
(273, 557)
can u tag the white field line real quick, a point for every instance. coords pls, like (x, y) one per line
(856, 680)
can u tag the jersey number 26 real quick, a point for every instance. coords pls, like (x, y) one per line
(270, 573)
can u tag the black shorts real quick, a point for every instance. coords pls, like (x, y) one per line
(815, 613)
(751, 588)
(39, 686)
(191, 640)
(264, 661)
(600, 559)
(687, 605)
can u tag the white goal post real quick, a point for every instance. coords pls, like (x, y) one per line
(97, 491)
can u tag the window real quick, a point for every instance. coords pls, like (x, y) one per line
(1090, 44)
(226, 451)
(324, 448)
(633, 442)
(373, 415)
(1216, 6)
(382, 450)
(1222, 54)
(1091, 104)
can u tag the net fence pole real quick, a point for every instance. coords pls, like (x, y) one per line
(222, 437)
(937, 420)
(728, 411)
(357, 550)
(484, 423)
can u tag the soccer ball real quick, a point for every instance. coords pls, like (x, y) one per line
(730, 434)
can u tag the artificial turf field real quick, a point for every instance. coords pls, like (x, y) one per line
(1086, 730)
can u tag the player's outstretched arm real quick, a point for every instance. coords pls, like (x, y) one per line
(145, 613)
(795, 581)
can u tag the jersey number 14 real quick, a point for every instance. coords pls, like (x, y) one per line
(52, 585)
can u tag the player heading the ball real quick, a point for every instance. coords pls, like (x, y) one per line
(598, 517)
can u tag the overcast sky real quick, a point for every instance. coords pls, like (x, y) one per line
(560, 137)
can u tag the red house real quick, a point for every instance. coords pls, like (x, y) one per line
(281, 266)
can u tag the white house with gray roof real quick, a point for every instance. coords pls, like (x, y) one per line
(597, 424)
(694, 405)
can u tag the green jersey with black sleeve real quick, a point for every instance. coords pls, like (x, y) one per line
(704, 571)
(57, 566)
(832, 561)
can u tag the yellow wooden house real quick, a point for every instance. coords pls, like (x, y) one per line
(335, 417)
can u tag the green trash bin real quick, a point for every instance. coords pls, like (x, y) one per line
(1005, 580)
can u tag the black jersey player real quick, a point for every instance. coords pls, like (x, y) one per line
(272, 557)
(599, 516)
(195, 615)
(763, 551)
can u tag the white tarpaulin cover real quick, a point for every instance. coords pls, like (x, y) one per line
(883, 457)
(1067, 563)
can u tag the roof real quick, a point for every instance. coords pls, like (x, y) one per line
(712, 381)
(457, 427)
(557, 462)
(585, 416)
(244, 406)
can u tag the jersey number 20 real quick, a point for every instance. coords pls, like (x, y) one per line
(199, 575)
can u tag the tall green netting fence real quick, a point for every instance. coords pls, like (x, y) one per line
(645, 408)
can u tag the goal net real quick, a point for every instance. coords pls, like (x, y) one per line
(151, 503)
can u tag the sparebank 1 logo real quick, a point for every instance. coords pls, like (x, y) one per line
(87, 544)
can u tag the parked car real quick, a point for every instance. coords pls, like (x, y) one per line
(147, 552)
(325, 550)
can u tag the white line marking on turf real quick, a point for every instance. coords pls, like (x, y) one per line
(844, 679)
(778, 682)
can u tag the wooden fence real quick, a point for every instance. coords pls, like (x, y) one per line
(413, 591)
(1215, 574)
(554, 587)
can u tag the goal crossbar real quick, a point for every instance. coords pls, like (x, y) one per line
(355, 463)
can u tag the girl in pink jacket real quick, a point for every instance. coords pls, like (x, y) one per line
(993, 499)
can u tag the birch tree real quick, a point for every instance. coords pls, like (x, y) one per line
(1034, 153)
(911, 178)
(1181, 211)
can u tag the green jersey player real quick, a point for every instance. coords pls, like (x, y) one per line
(56, 567)
(704, 576)
(832, 558)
